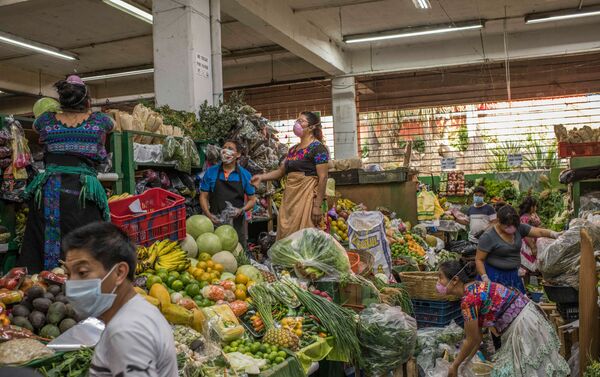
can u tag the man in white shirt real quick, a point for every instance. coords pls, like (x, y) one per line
(481, 215)
(138, 341)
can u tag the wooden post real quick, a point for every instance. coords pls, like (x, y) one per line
(589, 340)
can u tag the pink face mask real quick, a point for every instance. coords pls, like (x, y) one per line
(298, 130)
(510, 229)
(441, 288)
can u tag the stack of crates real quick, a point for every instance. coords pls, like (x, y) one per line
(437, 313)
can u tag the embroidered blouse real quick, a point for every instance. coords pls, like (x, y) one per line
(492, 305)
(87, 139)
(305, 160)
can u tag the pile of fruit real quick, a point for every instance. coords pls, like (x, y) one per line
(339, 229)
(162, 255)
(124, 195)
(259, 350)
(408, 245)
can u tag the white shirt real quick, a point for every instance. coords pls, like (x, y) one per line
(138, 341)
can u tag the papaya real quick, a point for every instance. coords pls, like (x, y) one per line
(153, 300)
(177, 315)
(140, 291)
(197, 320)
(160, 292)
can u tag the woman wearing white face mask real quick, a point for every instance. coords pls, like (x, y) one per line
(530, 346)
(228, 182)
(307, 171)
(498, 255)
(137, 341)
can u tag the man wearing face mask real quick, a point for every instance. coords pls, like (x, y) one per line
(137, 341)
(481, 215)
(228, 182)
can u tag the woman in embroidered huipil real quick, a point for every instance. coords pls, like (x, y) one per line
(530, 346)
(67, 194)
(306, 169)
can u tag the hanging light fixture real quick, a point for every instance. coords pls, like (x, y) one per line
(560, 15)
(130, 9)
(35, 46)
(422, 4)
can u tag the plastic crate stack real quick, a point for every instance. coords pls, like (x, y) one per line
(437, 313)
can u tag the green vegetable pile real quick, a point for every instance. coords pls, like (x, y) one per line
(444, 256)
(593, 370)
(71, 364)
(312, 253)
(387, 337)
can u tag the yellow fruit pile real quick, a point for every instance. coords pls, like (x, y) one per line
(207, 271)
(345, 204)
(339, 228)
(413, 245)
(294, 324)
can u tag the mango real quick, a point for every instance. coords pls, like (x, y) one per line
(197, 320)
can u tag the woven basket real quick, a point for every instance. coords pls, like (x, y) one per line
(421, 286)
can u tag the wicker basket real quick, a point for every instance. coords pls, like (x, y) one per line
(421, 286)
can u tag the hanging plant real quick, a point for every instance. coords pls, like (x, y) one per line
(461, 139)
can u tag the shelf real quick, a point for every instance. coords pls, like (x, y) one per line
(166, 165)
(105, 177)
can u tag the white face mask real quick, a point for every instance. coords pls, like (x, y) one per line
(87, 298)
(227, 156)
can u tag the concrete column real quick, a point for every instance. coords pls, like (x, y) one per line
(216, 53)
(182, 53)
(345, 129)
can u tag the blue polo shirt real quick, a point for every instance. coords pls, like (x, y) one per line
(210, 178)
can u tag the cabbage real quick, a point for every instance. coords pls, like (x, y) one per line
(227, 260)
(44, 105)
(228, 236)
(209, 243)
(227, 276)
(199, 224)
(252, 272)
(189, 246)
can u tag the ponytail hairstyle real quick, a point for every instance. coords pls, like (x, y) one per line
(314, 121)
(507, 216)
(464, 270)
(73, 94)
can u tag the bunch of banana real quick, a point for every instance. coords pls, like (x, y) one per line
(119, 197)
(163, 254)
(345, 204)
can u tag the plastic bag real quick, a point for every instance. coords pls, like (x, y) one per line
(431, 343)
(313, 254)
(559, 262)
(227, 215)
(21, 154)
(442, 367)
(387, 336)
(366, 231)
(147, 153)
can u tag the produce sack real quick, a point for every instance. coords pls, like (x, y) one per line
(425, 205)
(432, 342)
(559, 261)
(313, 254)
(366, 231)
(387, 337)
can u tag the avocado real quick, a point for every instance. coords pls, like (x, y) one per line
(70, 311)
(61, 298)
(28, 303)
(49, 331)
(66, 324)
(20, 311)
(22, 322)
(55, 289)
(56, 312)
(35, 291)
(37, 319)
(42, 304)
(49, 296)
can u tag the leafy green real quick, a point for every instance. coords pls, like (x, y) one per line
(72, 364)
(461, 141)
(593, 370)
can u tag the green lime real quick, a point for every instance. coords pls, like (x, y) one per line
(273, 356)
(203, 284)
(186, 280)
(170, 281)
(235, 343)
(263, 348)
(174, 273)
(163, 276)
(234, 349)
(199, 303)
(192, 290)
(274, 349)
(279, 360)
(282, 354)
(259, 355)
(226, 349)
(249, 354)
(177, 285)
(162, 270)
(198, 298)
(255, 347)
(152, 280)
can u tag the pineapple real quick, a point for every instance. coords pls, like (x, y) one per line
(268, 276)
(282, 337)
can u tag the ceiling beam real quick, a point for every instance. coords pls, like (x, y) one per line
(339, 4)
(275, 20)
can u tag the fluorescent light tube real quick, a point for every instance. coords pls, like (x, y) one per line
(35, 46)
(559, 15)
(119, 74)
(422, 4)
(414, 32)
(130, 9)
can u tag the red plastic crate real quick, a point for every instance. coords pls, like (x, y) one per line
(566, 150)
(164, 219)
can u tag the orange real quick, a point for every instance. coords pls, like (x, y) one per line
(240, 286)
(240, 294)
(241, 279)
(209, 269)
(205, 276)
(210, 263)
(201, 265)
(218, 267)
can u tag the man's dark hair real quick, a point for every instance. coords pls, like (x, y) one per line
(479, 190)
(105, 242)
(238, 146)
